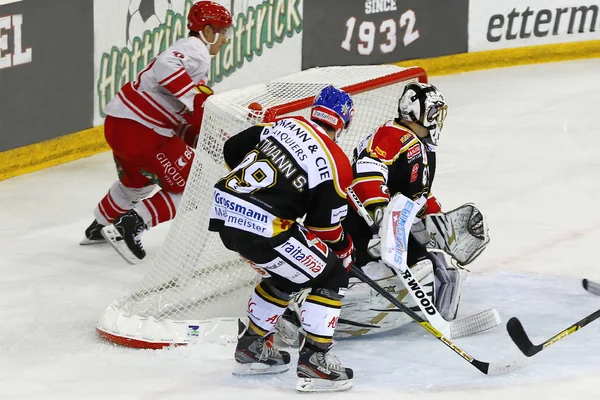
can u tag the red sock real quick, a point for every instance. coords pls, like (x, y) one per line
(159, 208)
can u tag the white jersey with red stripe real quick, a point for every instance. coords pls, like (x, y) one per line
(165, 89)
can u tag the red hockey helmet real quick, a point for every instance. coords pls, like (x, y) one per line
(208, 13)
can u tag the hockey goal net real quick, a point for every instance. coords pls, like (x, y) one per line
(196, 288)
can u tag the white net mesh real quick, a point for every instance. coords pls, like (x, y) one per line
(194, 277)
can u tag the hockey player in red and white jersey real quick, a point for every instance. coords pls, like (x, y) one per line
(283, 171)
(152, 126)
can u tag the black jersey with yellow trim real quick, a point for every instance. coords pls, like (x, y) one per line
(289, 168)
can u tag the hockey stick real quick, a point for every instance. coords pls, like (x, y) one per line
(519, 336)
(483, 366)
(592, 287)
(453, 329)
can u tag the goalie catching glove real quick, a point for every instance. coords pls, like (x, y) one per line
(461, 233)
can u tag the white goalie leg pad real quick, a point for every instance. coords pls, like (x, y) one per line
(448, 286)
(458, 276)
(364, 311)
(287, 332)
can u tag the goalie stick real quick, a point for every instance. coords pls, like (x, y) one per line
(467, 326)
(487, 368)
(519, 336)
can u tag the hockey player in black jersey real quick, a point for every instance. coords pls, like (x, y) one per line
(279, 172)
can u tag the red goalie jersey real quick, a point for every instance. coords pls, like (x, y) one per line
(390, 160)
(168, 95)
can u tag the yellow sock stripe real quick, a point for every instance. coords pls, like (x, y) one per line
(267, 297)
(257, 329)
(318, 339)
(324, 301)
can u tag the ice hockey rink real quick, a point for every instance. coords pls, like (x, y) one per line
(522, 143)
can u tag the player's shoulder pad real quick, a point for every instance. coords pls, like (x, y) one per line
(343, 169)
(192, 49)
(412, 146)
(390, 141)
(342, 164)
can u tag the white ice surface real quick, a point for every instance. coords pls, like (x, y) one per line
(520, 142)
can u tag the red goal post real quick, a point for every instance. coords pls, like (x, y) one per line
(405, 75)
(195, 289)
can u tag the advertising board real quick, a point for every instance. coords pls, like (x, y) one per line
(499, 24)
(46, 70)
(360, 32)
(265, 43)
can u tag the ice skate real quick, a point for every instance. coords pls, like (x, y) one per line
(256, 355)
(124, 235)
(93, 234)
(320, 371)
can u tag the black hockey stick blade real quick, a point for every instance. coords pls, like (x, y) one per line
(519, 336)
(591, 286)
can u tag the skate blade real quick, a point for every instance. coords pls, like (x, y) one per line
(310, 385)
(258, 369)
(114, 238)
(87, 242)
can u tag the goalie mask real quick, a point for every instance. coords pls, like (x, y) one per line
(424, 104)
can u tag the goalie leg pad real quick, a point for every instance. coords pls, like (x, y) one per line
(288, 327)
(448, 285)
(458, 276)
(365, 312)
